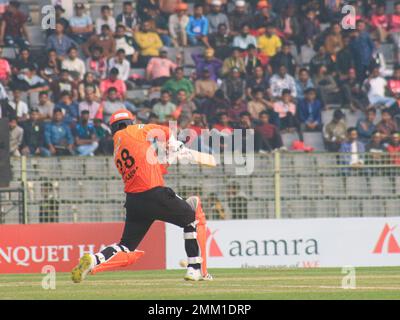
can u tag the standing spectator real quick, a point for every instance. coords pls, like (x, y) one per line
(216, 17)
(345, 59)
(20, 107)
(59, 41)
(45, 107)
(335, 132)
(238, 17)
(90, 104)
(69, 107)
(48, 206)
(387, 126)
(207, 61)
(16, 137)
(148, 42)
(269, 43)
(309, 111)
(179, 82)
(104, 39)
(165, 108)
(198, 27)
(81, 24)
(282, 80)
(268, 137)
(85, 136)
(128, 17)
(113, 82)
(362, 47)
(177, 25)
(119, 62)
(58, 136)
(33, 140)
(106, 18)
(160, 69)
(354, 147)
(111, 104)
(74, 65)
(310, 28)
(366, 125)
(13, 27)
(244, 38)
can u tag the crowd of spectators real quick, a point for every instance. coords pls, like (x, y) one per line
(249, 73)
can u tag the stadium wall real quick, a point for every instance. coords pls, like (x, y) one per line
(304, 243)
(28, 248)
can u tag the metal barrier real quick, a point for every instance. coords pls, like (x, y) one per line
(283, 185)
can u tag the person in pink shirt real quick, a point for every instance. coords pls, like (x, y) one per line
(394, 28)
(160, 69)
(5, 69)
(113, 82)
(286, 110)
(380, 22)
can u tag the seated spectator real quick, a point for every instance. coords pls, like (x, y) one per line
(234, 61)
(205, 87)
(81, 24)
(89, 81)
(333, 41)
(223, 124)
(309, 111)
(284, 58)
(85, 136)
(257, 81)
(345, 59)
(211, 106)
(310, 28)
(216, 17)
(393, 148)
(13, 27)
(128, 17)
(378, 60)
(59, 41)
(20, 107)
(177, 25)
(73, 64)
(376, 86)
(258, 104)
(111, 104)
(394, 28)
(387, 126)
(112, 81)
(209, 61)
(126, 43)
(303, 83)
(394, 84)
(104, 40)
(263, 17)
(247, 133)
(375, 151)
(69, 107)
(5, 69)
(179, 82)
(268, 137)
(269, 43)
(380, 22)
(322, 58)
(251, 60)
(106, 18)
(30, 82)
(335, 132)
(104, 137)
(197, 28)
(238, 106)
(16, 137)
(160, 69)
(58, 136)
(165, 108)
(119, 62)
(90, 104)
(286, 110)
(25, 61)
(33, 139)
(281, 81)
(149, 43)
(354, 147)
(45, 107)
(50, 67)
(221, 42)
(327, 87)
(244, 38)
(234, 85)
(64, 83)
(353, 96)
(184, 108)
(366, 125)
(96, 63)
(238, 17)
(160, 25)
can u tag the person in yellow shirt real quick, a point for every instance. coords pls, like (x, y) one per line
(269, 43)
(149, 43)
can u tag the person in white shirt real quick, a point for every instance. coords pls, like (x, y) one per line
(282, 80)
(121, 64)
(20, 107)
(244, 39)
(73, 64)
(375, 86)
(106, 18)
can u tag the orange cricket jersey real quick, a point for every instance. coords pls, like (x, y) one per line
(136, 159)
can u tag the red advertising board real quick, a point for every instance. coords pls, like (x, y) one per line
(27, 248)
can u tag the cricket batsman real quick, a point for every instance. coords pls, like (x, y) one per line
(147, 200)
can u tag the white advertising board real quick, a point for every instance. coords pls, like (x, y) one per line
(334, 242)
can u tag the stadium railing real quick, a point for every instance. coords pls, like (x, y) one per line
(282, 185)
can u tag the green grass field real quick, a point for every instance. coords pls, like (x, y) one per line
(372, 283)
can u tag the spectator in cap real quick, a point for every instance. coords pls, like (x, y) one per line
(85, 136)
(309, 111)
(216, 17)
(177, 25)
(59, 41)
(197, 28)
(234, 61)
(263, 17)
(335, 132)
(269, 43)
(33, 139)
(16, 137)
(105, 18)
(244, 38)
(207, 60)
(81, 24)
(128, 17)
(161, 68)
(13, 30)
(238, 17)
(221, 41)
(104, 39)
(148, 42)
